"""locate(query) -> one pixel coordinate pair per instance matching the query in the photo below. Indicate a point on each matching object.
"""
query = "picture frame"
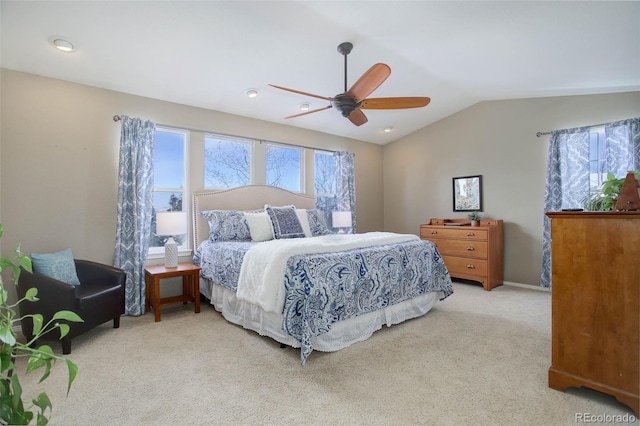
(467, 193)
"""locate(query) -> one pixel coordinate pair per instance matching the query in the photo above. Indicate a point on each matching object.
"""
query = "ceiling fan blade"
(357, 117)
(395, 103)
(302, 93)
(308, 112)
(369, 81)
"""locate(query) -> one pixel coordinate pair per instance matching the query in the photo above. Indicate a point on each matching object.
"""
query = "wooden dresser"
(470, 252)
(595, 324)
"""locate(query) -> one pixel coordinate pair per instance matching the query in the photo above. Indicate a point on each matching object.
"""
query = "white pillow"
(304, 221)
(259, 226)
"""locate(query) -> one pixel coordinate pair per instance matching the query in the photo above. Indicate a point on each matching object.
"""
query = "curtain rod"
(117, 118)
(538, 134)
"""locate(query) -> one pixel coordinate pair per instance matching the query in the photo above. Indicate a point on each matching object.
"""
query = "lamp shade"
(341, 219)
(171, 223)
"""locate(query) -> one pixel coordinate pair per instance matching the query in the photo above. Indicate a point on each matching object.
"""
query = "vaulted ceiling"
(208, 53)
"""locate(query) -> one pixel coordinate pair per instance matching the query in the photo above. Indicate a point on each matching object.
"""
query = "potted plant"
(12, 407)
(604, 198)
(474, 217)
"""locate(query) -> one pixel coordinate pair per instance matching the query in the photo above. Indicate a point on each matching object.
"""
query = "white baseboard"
(527, 286)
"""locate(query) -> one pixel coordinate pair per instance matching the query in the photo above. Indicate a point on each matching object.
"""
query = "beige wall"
(59, 169)
(59, 161)
(497, 140)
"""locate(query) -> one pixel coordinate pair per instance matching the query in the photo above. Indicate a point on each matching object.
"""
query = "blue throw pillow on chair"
(59, 266)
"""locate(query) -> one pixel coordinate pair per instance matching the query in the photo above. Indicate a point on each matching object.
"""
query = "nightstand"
(190, 286)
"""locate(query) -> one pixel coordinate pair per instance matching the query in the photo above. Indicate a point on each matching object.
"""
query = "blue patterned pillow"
(59, 266)
(227, 225)
(285, 222)
(317, 224)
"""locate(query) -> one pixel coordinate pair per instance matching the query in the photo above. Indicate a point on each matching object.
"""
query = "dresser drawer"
(458, 266)
(466, 233)
(470, 248)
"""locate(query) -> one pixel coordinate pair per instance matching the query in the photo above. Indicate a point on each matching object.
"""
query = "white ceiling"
(207, 53)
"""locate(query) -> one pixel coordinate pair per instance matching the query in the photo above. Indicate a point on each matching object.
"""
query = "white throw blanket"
(261, 279)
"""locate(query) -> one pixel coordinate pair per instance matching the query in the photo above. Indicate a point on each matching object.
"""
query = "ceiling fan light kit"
(351, 102)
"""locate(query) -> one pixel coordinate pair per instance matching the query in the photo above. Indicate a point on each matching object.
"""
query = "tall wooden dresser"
(469, 252)
(595, 326)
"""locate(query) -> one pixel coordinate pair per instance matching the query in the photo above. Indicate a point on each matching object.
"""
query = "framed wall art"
(467, 193)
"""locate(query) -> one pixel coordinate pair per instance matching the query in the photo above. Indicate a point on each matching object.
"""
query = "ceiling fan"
(352, 101)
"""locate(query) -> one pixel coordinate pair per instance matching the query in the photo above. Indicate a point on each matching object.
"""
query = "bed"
(305, 286)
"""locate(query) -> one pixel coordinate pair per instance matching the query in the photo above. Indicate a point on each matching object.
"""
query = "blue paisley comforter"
(220, 262)
(324, 288)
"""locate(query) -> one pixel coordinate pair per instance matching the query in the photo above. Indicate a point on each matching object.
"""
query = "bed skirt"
(342, 333)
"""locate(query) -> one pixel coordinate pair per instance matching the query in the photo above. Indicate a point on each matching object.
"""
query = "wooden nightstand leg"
(147, 291)
(185, 287)
(156, 297)
(195, 285)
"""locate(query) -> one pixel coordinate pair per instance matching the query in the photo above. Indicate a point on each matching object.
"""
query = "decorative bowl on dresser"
(469, 252)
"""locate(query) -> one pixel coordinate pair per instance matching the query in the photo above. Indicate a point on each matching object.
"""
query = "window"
(284, 167)
(325, 173)
(168, 180)
(325, 183)
(597, 158)
(227, 162)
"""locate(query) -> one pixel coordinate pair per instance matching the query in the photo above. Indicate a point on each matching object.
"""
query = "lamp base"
(170, 254)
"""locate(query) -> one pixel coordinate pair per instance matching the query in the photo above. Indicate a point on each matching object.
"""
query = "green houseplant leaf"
(604, 198)
(12, 406)
(67, 315)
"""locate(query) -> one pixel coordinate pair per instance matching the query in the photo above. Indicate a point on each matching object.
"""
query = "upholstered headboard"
(241, 198)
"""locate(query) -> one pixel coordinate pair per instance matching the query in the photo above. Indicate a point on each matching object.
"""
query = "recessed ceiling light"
(252, 93)
(388, 129)
(304, 106)
(61, 44)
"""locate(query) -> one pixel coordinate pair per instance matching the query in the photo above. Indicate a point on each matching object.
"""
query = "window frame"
(597, 178)
(236, 139)
(315, 170)
(301, 150)
(185, 248)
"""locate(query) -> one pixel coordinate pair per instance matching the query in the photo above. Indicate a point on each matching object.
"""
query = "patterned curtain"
(346, 184)
(135, 185)
(566, 185)
(623, 146)
(568, 171)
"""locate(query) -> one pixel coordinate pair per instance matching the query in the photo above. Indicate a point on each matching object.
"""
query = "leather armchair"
(99, 298)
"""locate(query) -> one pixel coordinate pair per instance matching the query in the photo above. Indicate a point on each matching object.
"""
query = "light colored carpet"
(478, 358)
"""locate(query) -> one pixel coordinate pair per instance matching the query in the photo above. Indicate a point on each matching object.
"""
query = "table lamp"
(171, 224)
(341, 220)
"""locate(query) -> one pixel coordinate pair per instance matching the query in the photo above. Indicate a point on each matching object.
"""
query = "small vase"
(474, 223)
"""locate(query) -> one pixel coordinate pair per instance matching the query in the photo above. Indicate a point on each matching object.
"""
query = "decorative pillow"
(304, 221)
(285, 222)
(59, 266)
(317, 224)
(259, 226)
(227, 225)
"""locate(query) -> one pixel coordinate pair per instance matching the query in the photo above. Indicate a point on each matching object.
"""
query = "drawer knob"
(471, 267)
(434, 232)
(470, 249)
(470, 234)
